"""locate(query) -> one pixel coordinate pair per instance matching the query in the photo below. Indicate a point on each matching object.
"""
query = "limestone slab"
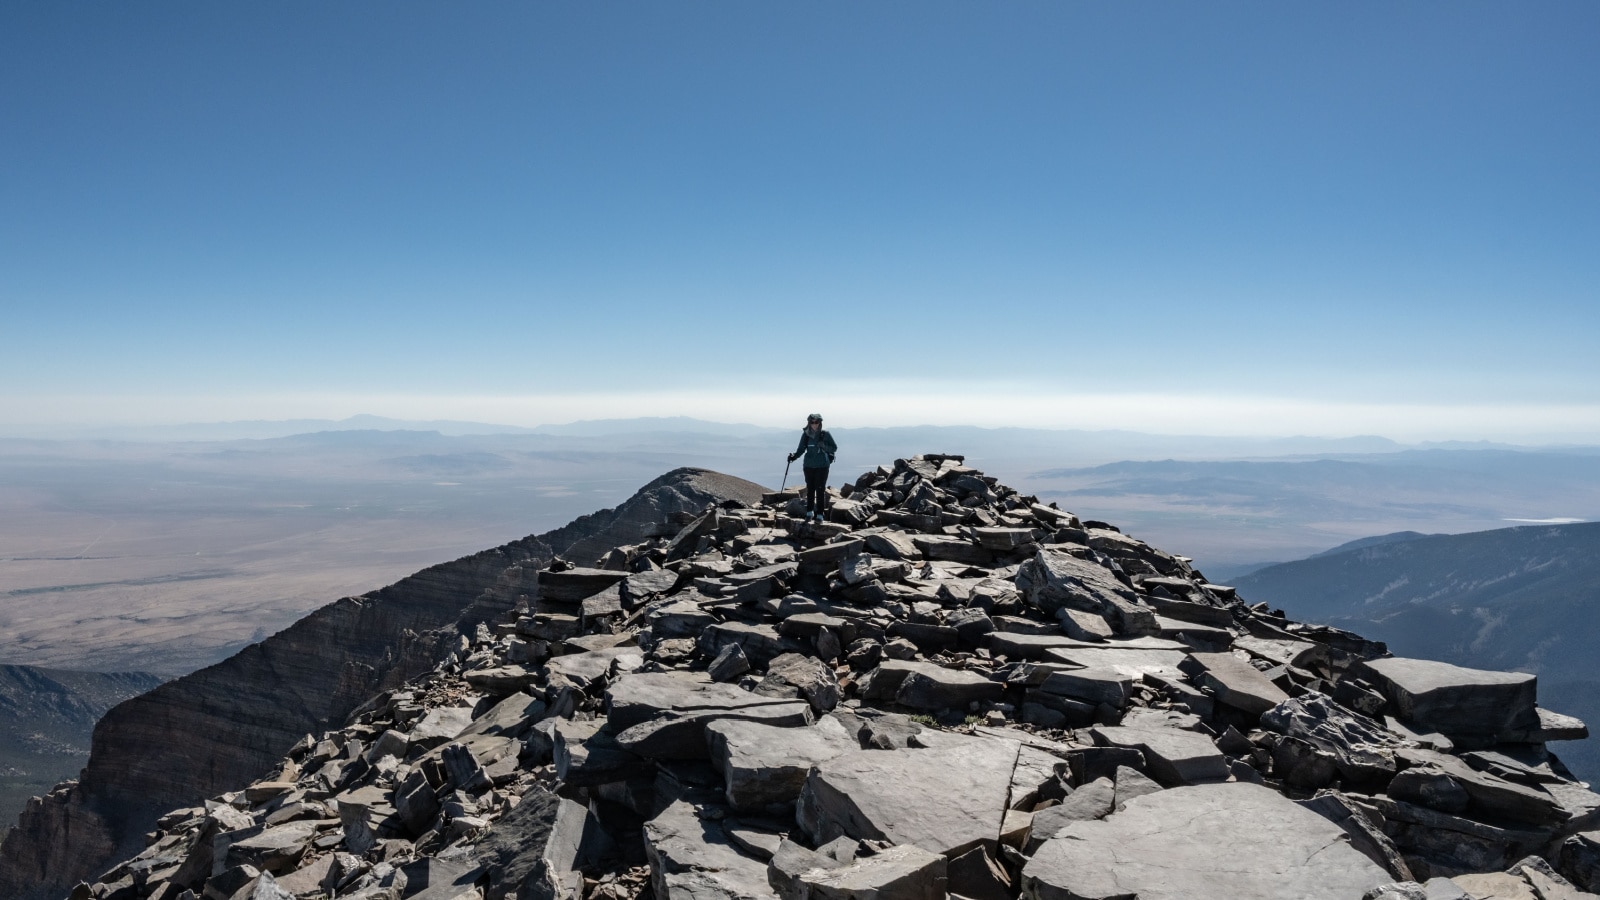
(947, 799)
(1209, 842)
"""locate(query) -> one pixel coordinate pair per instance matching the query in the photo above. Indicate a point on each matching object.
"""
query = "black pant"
(817, 489)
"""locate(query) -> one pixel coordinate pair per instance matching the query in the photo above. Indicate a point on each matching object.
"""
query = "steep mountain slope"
(46, 719)
(1522, 598)
(946, 690)
(217, 729)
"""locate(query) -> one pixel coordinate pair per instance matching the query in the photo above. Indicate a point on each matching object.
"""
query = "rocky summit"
(946, 690)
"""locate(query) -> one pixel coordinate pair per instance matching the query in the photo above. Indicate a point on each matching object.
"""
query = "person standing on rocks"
(818, 448)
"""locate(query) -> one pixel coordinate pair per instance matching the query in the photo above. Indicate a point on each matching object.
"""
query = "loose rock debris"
(946, 690)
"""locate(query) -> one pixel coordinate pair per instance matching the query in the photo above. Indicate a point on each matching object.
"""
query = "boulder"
(928, 686)
(764, 765)
(1453, 700)
(1362, 749)
(1053, 580)
(946, 799)
(573, 585)
(803, 676)
(1236, 683)
(1112, 687)
(1172, 756)
(1208, 842)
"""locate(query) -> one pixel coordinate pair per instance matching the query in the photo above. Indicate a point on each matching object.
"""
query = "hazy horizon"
(244, 428)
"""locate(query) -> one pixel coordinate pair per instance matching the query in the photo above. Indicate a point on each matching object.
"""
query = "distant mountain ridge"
(1398, 537)
(1521, 598)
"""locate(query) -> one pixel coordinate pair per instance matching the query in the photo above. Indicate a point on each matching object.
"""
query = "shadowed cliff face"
(217, 729)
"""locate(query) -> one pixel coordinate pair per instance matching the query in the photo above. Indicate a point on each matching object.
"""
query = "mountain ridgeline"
(946, 689)
(1521, 598)
(218, 728)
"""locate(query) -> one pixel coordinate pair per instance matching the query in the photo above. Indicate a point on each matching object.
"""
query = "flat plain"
(165, 557)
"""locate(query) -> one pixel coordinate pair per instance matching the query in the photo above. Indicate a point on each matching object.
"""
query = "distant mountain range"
(46, 719)
(1525, 598)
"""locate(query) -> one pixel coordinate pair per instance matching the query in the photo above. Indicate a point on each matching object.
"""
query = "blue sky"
(1229, 218)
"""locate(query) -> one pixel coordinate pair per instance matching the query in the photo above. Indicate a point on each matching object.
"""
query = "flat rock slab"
(1210, 842)
(762, 764)
(441, 725)
(1174, 756)
(947, 799)
(693, 859)
(586, 668)
(1235, 682)
(1028, 646)
(1455, 700)
(1130, 660)
(664, 715)
(924, 685)
(904, 872)
(637, 698)
(1105, 685)
(573, 585)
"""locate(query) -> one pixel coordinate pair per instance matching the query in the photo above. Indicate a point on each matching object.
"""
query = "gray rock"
(764, 765)
(924, 685)
(585, 761)
(887, 731)
(682, 734)
(1362, 749)
(928, 638)
(789, 862)
(1112, 687)
(946, 799)
(951, 549)
(536, 851)
(729, 664)
(275, 850)
(1453, 700)
(639, 697)
(692, 859)
(1131, 785)
(937, 688)
(1028, 646)
(1444, 889)
(1209, 842)
(573, 585)
(809, 677)
(1053, 580)
(1397, 890)
(904, 872)
(441, 725)
(1235, 682)
(1004, 540)
(1094, 800)
(1085, 626)
(1580, 859)
(1427, 786)
(683, 618)
(1490, 795)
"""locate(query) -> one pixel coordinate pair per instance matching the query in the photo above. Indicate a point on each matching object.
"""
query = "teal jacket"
(818, 449)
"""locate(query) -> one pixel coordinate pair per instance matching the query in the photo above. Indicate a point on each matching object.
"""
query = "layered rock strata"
(949, 690)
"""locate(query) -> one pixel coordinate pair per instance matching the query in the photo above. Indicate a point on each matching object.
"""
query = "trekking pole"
(785, 486)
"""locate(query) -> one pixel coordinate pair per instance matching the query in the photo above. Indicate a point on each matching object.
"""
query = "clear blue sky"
(1332, 218)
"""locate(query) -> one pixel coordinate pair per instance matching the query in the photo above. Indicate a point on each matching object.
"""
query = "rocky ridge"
(218, 729)
(948, 690)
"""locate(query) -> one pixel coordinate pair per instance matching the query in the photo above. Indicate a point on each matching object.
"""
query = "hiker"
(818, 448)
